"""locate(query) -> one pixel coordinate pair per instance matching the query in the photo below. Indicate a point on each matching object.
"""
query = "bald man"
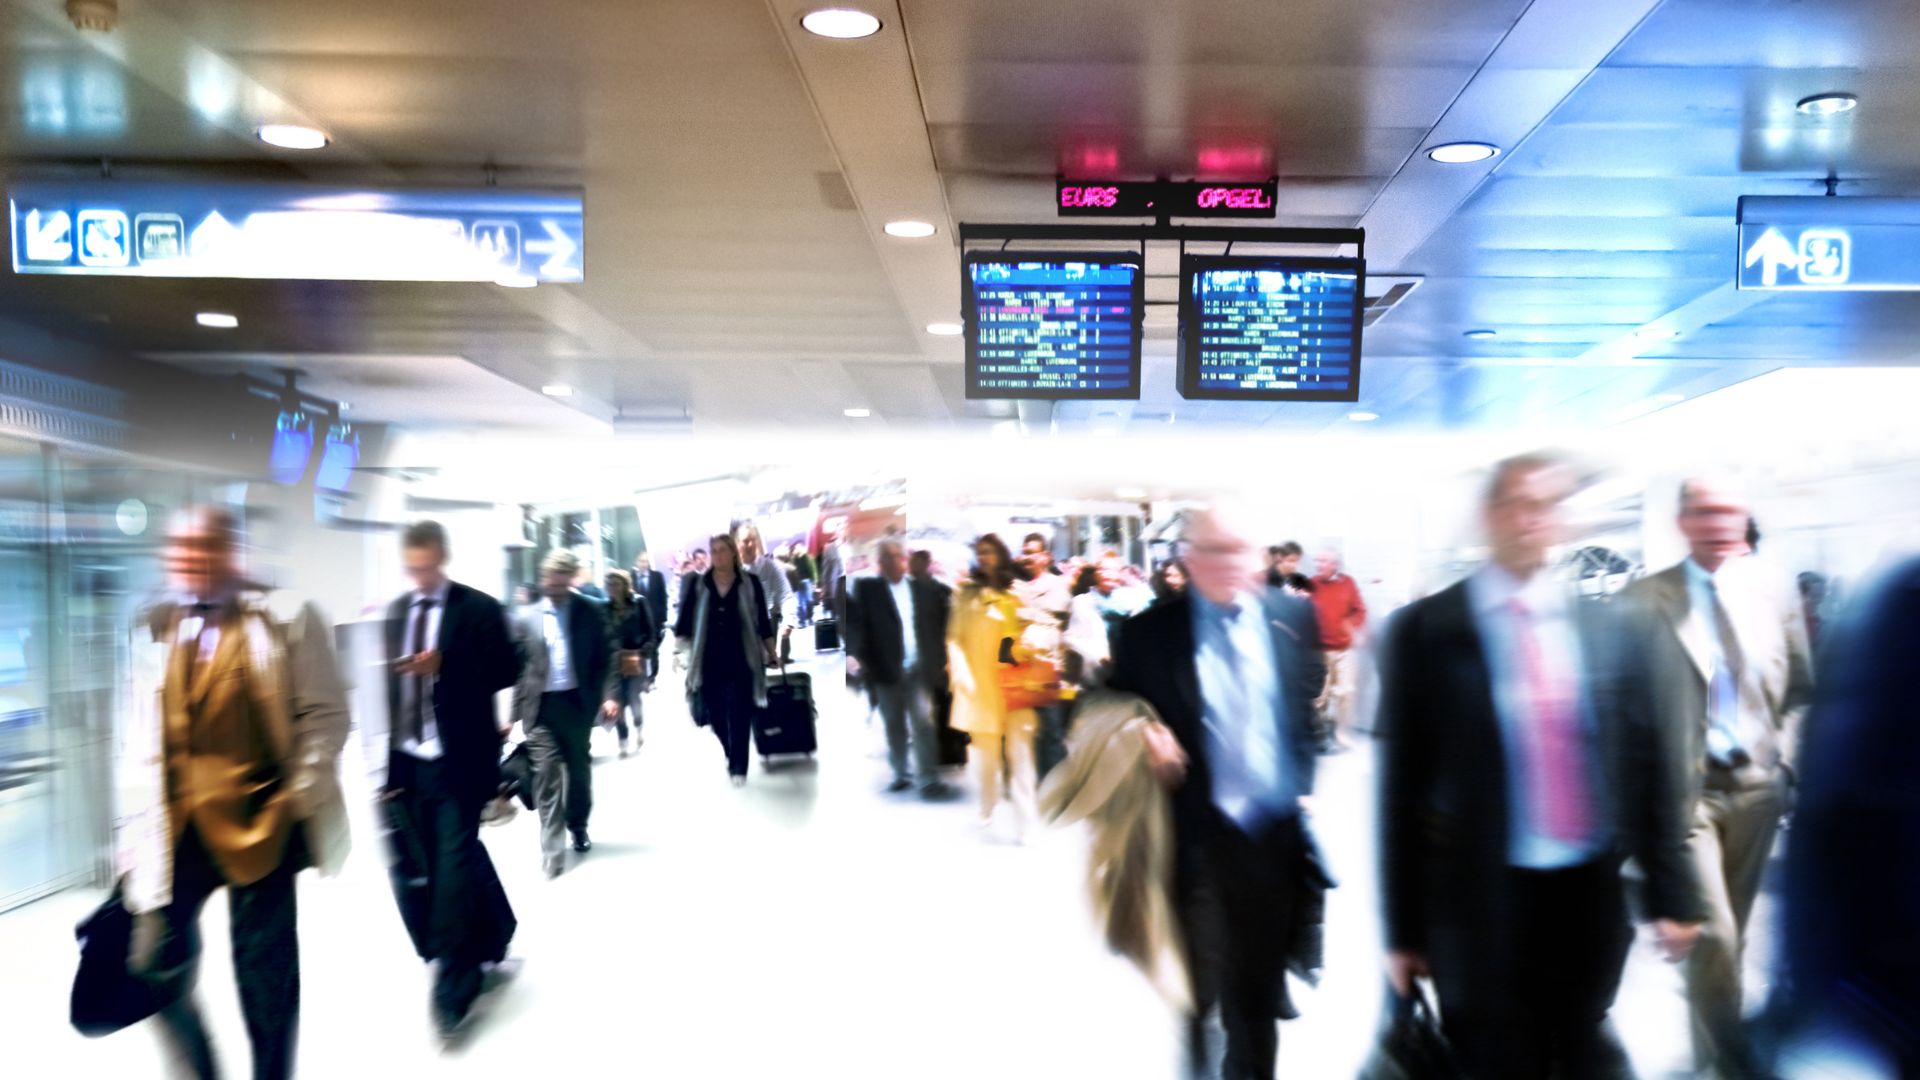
(1740, 680)
(229, 779)
(1232, 667)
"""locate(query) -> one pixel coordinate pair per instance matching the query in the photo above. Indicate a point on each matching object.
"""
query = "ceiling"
(738, 172)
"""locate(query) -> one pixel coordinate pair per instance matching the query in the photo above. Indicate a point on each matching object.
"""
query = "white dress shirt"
(560, 676)
(420, 687)
(902, 591)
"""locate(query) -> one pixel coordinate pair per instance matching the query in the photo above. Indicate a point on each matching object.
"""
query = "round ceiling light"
(1827, 104)
(856, 413)
(1363, 417)
(292, 136)
(945, 329)
(217, 320)
(557, 390)
(1462, 153)
(910, 230)
(1481, 335)
(842, 23)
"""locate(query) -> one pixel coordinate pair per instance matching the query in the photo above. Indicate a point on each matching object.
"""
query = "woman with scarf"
(724, 642)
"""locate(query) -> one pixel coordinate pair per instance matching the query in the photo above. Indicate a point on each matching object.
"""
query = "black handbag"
(1411, 1045)
(107, 994)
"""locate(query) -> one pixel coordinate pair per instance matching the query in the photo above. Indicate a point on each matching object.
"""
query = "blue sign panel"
(1278, 328)
(1829, 244)
(295, 231)
(1053, 326)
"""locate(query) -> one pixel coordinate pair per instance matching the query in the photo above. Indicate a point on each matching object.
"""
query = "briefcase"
(1411, 1045)
(108, 996)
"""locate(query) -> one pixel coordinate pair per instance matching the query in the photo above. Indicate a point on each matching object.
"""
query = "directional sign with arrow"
(1828, 244)
(295, 231)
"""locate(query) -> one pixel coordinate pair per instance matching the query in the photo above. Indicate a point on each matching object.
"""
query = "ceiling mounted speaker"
(99, 15)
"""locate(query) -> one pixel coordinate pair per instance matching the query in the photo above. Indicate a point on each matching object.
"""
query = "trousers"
(906, 707)
(1005, 769)
(1734, 826)
(562, 771)
(266, 960)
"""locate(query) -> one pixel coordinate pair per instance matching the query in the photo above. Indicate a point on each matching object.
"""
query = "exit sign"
(1165, 198)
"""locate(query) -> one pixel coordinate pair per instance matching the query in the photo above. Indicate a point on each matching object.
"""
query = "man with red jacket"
(1336, 599)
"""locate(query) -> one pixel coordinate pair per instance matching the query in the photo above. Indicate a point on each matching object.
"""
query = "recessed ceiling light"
(516, 281)
(1482, 335)
(345, 406)
(1827, 104)
(843, 23)
(945, 329)
(911, 230)
(292, 136)
(558, 389)
(856, 414)
(1462, 153)
(218, 320)
(1130, 492)
(1363, 417)
(1656, 332)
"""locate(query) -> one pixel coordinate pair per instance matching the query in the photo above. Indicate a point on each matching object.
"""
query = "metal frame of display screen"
(1191, 324)
(1132, 260)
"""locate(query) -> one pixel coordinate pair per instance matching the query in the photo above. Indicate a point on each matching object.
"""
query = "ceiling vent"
(100, 16)
(1384, 293)
(652, 421)
(834, 191)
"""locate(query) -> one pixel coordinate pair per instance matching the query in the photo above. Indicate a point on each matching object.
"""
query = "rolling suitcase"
(826, 635)
(786, 726)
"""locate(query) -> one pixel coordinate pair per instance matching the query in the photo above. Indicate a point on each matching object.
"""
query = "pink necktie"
(1556, 774)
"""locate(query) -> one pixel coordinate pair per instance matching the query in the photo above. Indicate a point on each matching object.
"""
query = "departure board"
(1277, 328)
(1053, 325)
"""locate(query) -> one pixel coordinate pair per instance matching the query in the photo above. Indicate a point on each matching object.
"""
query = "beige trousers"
(1005, 770)
(1733, 834)
(1337, 696)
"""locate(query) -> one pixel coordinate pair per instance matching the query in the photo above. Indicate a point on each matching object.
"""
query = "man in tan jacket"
(1740, 678)
(230, 778)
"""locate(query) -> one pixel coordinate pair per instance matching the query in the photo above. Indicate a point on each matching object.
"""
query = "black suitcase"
(826, 635)
(786, 725)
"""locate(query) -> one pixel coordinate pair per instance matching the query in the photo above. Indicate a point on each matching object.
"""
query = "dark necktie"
(417, 639)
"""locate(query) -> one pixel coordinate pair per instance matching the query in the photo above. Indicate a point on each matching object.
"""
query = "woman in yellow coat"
(985, 615)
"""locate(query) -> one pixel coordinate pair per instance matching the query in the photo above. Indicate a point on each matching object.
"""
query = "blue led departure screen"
(1053, 327)
(1272, 329)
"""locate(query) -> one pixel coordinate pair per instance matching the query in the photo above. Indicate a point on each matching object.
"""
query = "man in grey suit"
(566, 675)
(1741, 677)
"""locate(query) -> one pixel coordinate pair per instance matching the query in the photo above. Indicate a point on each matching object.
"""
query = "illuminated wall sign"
(1164, 198)
(295, 231)
(1828, 244)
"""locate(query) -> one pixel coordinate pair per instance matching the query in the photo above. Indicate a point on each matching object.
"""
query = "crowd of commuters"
(1530, 744)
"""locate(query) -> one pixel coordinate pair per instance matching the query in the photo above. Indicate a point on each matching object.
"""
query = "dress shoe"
(580, 842)
(899, 785)
(939, 791)
(739, 781)
(554, 869)
(494, 976)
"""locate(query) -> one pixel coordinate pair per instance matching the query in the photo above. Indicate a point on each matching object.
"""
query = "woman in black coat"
(630, 627)
(724, 642)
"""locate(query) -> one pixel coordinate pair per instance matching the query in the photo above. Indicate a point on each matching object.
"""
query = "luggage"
(826, 635)
(407, 872)
(786, 725)
(106, 996)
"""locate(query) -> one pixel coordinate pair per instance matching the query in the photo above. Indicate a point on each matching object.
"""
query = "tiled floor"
(805, 926)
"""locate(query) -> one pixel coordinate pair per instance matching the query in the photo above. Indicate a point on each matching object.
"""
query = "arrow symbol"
(1773, 251)
(559, 247)
(49, 241)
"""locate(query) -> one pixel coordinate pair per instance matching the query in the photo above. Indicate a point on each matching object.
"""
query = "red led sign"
(1165, 198)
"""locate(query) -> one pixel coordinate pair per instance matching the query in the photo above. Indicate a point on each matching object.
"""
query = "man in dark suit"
(567, 673)
(651, 585)
(1233, 669)
(1526, 754)
(897, 638)
(452, 655)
